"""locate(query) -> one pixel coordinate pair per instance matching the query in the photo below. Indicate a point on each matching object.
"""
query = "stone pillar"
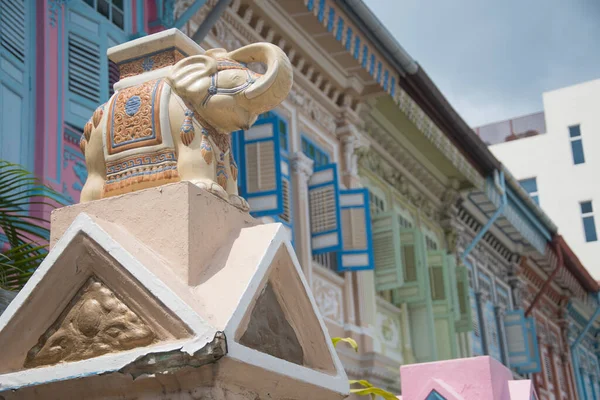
(302, 169)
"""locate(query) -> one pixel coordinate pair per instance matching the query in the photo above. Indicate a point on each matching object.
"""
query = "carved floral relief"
(96, 322)
(329, 299)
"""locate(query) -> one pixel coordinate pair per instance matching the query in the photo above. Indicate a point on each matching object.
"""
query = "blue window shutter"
(17, 54)
(387, 251)
(260, 155)
(324, 210)
(87, 38)
(493, 336)
(521, 340)
(535, 363)
(357, 244)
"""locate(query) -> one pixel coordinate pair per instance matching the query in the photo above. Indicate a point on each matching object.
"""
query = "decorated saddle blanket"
(138, 146)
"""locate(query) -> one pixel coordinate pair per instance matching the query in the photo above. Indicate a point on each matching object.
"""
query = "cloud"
(493, 59)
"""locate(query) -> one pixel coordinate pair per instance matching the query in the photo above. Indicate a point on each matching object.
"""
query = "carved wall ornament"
(312, 109)
(96, 322)
(437, 137)
(404, 157)
(329, 299)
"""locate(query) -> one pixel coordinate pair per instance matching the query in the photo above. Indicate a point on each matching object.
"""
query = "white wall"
(561, 184)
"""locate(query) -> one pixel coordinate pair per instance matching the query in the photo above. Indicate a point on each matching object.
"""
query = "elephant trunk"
(273, 87)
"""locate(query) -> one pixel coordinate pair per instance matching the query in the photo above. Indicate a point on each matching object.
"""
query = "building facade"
(415, 240)
(553, 155)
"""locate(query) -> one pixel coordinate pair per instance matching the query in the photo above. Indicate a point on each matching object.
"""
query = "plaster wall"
(562, 185)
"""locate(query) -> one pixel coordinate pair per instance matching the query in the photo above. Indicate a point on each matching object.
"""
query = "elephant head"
(224, 92)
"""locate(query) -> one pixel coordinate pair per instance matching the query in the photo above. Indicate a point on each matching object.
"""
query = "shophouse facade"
(381, 185)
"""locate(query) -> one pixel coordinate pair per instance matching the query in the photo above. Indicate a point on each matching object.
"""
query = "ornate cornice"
(374, 162)
(405, 158)
(312, 108)
(434, 134)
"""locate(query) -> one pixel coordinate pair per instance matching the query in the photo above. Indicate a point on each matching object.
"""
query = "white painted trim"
(338, 383)
(203, 332)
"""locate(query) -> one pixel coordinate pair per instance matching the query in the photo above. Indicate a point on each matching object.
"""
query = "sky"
(494, 59)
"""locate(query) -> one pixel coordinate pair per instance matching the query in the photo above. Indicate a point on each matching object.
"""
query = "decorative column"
(500, 311)
(363, 311)
(516, 284)
(302, 169)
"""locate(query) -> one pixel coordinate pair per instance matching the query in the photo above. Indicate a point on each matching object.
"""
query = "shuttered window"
(436, 261)
(324, 210)
(13, 28)
(84, 74)
(17, 55)
(89, 79)
(357, 247)
(438, 291)
(387, 252)
(409, 262)
(261, 180)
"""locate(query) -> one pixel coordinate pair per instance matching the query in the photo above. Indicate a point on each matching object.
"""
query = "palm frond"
(24, 206)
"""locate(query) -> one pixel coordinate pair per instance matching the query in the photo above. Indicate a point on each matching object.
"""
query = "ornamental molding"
(55, 7)
(311, 108)
(374, 162)
(435, 135)
(233, 32)
(405, 158)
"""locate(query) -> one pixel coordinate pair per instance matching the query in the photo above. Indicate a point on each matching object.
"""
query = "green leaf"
(369, 390)
(350, 341)
(373, 392)
(22, 199)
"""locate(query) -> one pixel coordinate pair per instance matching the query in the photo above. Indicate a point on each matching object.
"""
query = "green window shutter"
(409, 239)
(464, 306)
(436, 265)
(453, 284)
(387, 254)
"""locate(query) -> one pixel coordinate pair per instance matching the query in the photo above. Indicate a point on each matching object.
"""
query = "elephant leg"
(239, 202)
(211, 186)
(93, 188)
(96, 166)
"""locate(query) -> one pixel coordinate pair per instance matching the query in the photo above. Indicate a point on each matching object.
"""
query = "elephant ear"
(188, 77)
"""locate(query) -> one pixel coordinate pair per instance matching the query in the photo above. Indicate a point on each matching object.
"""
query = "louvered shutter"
(453, 284)
(357, 244)
(386, 251)
(436, 261)
(324, 210)
(535, 364)
(286, 193)
(521, 338)
(88, 37)
(462, 292)
(16, 59)
(262, 185)
(410, 251)
(492, 334)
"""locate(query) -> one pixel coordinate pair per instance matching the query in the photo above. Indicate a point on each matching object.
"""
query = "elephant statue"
(173, 124)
